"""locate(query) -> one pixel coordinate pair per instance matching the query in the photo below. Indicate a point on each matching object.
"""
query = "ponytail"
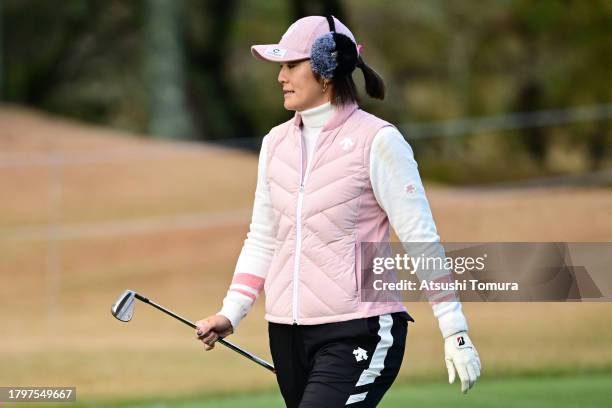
(344, 90)
(375, 86)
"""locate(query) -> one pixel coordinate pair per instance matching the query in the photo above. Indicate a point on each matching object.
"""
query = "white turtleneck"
(397, 187)
(313, 121)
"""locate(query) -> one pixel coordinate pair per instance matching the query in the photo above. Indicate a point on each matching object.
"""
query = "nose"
(282, 78)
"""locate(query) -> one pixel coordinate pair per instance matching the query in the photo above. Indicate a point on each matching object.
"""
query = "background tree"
(165, 69)
(442, 61)
(76, 58)
(303, 8)
(217, 108)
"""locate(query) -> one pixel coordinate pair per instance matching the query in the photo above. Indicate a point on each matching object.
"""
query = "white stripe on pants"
(377, 363)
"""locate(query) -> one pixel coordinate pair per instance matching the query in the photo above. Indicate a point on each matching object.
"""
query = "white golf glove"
(461, 355)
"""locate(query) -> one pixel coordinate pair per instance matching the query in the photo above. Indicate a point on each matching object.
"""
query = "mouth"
(287, 93)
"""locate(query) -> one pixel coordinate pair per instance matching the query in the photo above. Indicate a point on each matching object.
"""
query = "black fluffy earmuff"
(333, 54)
(345, 48)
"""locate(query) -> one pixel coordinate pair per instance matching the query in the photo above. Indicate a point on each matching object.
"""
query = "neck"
(318, 116)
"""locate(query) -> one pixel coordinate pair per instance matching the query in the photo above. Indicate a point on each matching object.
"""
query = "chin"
(290, 106)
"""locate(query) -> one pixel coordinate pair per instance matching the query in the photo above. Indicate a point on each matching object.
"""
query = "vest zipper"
(298, 230)
(298, 236)
(298, 216)
(298, 250)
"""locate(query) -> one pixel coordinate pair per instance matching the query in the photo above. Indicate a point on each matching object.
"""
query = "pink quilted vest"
(321, 217)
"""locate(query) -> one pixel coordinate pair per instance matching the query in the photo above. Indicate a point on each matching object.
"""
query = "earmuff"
(333, 54)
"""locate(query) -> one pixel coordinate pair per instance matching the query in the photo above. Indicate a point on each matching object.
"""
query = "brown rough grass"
(57, 329)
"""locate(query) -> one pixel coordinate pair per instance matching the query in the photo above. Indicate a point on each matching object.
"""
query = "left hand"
(461, 355)
(210, 329)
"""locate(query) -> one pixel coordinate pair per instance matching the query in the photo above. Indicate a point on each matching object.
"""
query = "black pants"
(351, 363)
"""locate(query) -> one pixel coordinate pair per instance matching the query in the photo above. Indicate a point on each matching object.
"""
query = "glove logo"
(460, 341)
(360, 354)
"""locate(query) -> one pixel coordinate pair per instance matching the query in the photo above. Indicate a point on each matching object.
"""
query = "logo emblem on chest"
(346, 143)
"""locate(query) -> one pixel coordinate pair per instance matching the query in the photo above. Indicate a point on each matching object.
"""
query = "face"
(300, 87)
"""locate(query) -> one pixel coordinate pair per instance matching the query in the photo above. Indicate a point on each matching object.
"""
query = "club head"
(123, 309)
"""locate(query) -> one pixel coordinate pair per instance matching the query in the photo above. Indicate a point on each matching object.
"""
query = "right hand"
(210, 329)
(461, 355)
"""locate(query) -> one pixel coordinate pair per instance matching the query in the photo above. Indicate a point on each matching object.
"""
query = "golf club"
(123, 310)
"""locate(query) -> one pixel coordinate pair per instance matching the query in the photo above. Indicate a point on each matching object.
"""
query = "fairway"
(583, 391)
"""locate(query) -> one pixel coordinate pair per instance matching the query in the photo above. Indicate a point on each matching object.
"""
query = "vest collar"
(338, 118)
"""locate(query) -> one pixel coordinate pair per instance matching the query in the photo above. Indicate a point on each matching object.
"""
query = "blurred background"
(129, 133)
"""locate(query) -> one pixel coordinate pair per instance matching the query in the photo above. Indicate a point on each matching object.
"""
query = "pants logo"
(460, 341)
(360, 354)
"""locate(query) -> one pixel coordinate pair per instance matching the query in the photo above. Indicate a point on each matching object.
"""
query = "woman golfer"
(330, 178)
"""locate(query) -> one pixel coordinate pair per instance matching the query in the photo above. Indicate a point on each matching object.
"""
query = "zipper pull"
(301, 188)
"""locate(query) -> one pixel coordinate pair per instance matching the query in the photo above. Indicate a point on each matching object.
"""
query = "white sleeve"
(256, 254)
(399, 191)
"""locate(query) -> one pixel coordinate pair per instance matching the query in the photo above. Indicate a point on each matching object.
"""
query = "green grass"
(584, 391)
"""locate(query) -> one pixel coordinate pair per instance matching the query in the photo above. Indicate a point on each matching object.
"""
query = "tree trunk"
(164, 70)
(303, 8)
(221, 112)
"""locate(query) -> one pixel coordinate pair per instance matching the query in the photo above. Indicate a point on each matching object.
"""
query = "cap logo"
(275, 52)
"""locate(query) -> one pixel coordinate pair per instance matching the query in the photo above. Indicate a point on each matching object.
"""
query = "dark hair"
(344, 90)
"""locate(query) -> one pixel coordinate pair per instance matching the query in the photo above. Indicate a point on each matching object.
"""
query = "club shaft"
(226, 343)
